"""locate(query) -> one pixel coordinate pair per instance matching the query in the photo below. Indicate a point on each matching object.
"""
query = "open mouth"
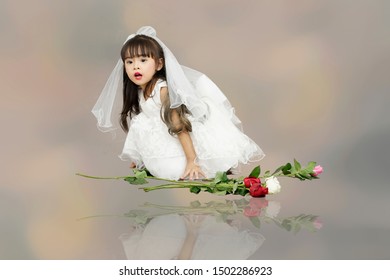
(137, 75)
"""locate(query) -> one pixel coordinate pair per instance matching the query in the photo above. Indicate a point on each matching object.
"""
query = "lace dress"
(219, 144)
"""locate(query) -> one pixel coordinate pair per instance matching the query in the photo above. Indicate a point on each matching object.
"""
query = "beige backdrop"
(308, 79)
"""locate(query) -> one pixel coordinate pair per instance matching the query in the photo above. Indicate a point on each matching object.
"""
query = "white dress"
(219, 144)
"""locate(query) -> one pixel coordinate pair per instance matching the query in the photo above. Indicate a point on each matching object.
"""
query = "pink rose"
(317, 171)
(249, 181)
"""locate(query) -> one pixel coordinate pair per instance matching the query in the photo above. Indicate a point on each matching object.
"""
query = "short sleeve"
(157, 90)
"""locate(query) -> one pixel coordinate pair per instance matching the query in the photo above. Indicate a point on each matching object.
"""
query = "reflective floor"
(304, 221)
(308, 80)
(80, 218)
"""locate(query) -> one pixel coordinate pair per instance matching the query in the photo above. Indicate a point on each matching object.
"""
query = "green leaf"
(209, 189)
(235, 186)
(140, 174)
(224, 178)
(277, 170)
(242, 191)
(293, 170)
(220, 177)
(297, 165)
(240, 179)
(255, 172)
(305, 174)
(310, 166)
(135, 170)
(138, 179)
(220, 192)
(135, 181)
(195, 189)
(287, 169)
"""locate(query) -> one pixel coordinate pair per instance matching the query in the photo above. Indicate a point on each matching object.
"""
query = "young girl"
(179, 124)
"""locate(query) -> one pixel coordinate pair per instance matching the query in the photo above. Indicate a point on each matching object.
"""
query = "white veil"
(185, 86)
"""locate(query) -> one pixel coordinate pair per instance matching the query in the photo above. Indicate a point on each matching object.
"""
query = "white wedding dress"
(219, 142)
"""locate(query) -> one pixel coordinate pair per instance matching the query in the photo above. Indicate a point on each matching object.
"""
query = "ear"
(160, 64)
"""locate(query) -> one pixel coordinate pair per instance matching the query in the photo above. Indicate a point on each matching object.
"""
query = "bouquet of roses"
(256, 184)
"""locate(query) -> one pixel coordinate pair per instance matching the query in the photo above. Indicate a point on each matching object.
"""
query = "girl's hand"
(133, 165)
(192, 171)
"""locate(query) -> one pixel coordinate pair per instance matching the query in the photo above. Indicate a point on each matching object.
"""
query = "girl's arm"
(192, 169)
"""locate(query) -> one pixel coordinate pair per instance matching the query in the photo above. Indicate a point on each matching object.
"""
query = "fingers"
(193, 173)
(185, 175)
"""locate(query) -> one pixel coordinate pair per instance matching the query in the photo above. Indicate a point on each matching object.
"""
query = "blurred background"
(308, 79)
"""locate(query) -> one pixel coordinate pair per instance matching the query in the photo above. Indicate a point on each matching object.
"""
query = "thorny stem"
(96, 177)
(181, 182)
(168, 186)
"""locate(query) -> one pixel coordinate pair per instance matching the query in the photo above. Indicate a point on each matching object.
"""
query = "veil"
(185, 86)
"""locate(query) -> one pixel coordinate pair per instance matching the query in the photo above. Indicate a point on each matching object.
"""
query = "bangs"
(141, 46)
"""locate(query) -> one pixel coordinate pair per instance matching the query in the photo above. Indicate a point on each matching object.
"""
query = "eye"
(143, 59)
(129, 61)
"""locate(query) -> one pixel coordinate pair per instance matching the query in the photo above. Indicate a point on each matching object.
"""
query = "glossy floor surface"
(308, 80)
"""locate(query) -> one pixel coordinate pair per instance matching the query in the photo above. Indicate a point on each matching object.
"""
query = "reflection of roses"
(258, 202)
(249, 181)
(273, 209)
(255, 206)
(317, 223)
(251, 212)
(272, 184)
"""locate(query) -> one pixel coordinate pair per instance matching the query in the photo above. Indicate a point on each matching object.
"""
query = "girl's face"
(141, 69)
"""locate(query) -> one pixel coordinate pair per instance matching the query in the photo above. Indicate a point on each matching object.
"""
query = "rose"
(257, 190)
(272, 184)
(249, 181)
(317, 170)
(224, 185)
(255, 187)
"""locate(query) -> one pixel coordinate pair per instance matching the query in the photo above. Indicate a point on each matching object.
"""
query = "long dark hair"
(141, 45)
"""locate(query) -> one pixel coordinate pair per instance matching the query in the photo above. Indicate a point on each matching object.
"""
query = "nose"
(135, 65)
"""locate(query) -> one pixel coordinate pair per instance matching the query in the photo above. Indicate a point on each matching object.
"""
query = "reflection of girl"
(181, 124)
(194, 237)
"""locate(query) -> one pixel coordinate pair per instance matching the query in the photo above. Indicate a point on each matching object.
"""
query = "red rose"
(257, 190)
(249, 181)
